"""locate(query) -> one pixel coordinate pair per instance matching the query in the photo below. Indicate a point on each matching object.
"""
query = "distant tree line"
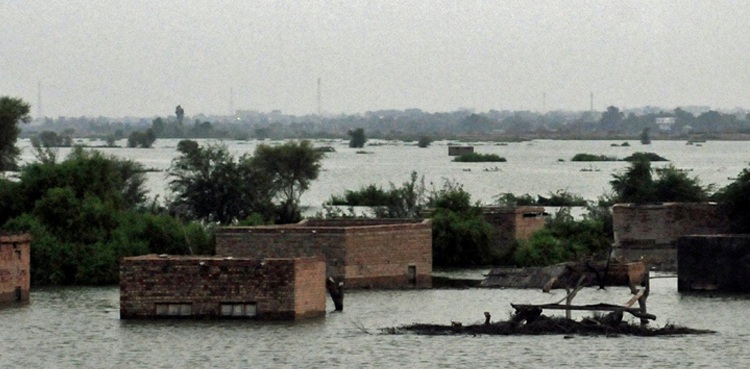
(415, 124)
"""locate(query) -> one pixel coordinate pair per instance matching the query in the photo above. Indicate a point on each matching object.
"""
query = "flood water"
(80, 328)
(536, 167)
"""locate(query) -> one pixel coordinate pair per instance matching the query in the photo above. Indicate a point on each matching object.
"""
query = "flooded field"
(80, 328)
(537, 167)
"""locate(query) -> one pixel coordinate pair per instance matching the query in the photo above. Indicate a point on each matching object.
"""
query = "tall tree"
(645, 136)
(12, 111)
(674, 185)
(637, 185)
(735, 201)
(180, 113)
(611, 119)
(358, 138)
(634, 185)
(292, 166)
(210, 184)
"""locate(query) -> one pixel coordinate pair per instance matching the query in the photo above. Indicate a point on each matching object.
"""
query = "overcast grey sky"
(142, 58)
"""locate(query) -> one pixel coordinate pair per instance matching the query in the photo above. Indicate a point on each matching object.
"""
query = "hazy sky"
(142, 58)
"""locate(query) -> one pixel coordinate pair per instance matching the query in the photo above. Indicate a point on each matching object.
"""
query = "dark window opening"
(412, 272)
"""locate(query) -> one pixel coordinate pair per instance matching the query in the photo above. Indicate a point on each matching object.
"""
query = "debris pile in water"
(593, 326)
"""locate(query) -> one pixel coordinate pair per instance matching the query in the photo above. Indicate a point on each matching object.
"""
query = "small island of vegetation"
(592, 157)
(634, 157)
(479, 158)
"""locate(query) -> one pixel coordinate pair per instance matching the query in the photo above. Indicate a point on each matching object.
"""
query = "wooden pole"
(571, 295)
(642, 299)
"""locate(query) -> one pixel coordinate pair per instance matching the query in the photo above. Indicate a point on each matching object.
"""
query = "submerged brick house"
(651, 231)
(14, 267)
(455, 150)
(377, 253)
(161, 286)
(510, 224)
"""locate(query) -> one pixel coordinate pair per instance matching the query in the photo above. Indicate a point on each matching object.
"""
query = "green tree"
(460, 235)
(110, 140)
(406, 201)
(358, 138)
(291, 167)
(735, 201)
(634, 185)
(637, 185)
(564, 239)
(142, 139)
(611, 119)
(424, 141)
(84, 214)
(180, 113)
(158, 125)
(117, 182)
(210, 184)
(51, 139)
(12, 112)
(645, 137)
(674, 185)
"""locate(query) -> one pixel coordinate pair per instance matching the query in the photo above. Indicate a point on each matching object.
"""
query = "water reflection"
(80, 327)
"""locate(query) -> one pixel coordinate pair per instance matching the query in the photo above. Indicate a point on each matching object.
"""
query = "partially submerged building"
(14, 267)
(162, 286)
(455, 150)
(364, 253)
(511, 224)
(714, 263)
(650, 232)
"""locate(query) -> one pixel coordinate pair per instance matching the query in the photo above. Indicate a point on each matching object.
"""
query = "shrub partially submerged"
(479, 158)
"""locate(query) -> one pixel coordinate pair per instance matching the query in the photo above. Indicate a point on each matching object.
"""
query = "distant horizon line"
(689, 108)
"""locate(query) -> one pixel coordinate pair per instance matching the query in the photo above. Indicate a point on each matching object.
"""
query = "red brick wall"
(512, 224)
(652, 231)
(207, 282)
(284, 242)
(354, 222)
(310, 287)
(14, 267)
(380, 256)
(365, 253)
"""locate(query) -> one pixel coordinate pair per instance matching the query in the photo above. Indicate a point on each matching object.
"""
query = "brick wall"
(362, 252)
(14, 267)
(381, 256)
(284, 242)
(651, 231)
(512, 224)
(714, 263)
(310, 285)
(276, 288)
(460, 150)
